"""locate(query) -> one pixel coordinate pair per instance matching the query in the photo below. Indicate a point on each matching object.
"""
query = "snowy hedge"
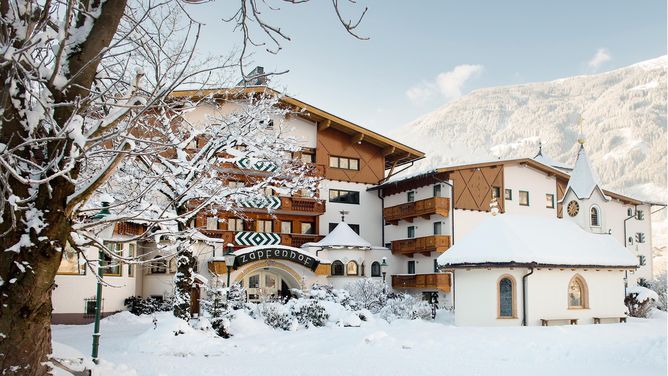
(640, 300)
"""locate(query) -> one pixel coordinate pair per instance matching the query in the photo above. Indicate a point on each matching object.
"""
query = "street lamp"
(229, 261)
(383, 269)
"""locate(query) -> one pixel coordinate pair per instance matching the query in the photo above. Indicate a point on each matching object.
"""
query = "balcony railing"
(303, 205)
(293, 240)
(424, 245)
(439, 281)
(421, 208)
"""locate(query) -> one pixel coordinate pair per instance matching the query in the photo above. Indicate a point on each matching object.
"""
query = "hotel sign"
(296, 256)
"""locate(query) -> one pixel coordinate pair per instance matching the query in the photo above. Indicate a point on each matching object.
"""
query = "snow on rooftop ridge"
(583, 178)
(343, 237)
(509, 238)
(546, 160)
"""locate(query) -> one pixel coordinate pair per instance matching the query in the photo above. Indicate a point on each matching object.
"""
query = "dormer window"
(595, 216)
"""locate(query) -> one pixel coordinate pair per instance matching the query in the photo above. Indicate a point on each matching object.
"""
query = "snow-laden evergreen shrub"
(146, 306)
(405, 306)
(659, 285)
(236, 296)
(330, 294)
(368, 293)
(218, 310)
(640, 301)
(277, 316)
(309, 313)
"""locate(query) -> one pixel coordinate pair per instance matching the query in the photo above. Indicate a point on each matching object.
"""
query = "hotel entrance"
(268, 284)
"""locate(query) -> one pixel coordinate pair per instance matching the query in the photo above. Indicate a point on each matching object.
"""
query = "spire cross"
(343, 215)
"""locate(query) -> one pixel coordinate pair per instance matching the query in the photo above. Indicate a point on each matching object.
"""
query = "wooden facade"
(334, 143)
(474, 187)
(424, 245)
(440, 281)
(421, 208)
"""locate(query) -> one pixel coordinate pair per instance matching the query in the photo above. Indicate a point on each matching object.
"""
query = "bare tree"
(85, 93)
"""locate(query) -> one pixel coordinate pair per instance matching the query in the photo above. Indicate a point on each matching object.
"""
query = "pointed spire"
(583, 180)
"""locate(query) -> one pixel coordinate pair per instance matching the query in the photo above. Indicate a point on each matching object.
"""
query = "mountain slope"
(624, 123)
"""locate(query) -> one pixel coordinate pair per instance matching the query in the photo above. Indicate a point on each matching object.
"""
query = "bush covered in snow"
(658, 285)
(405, 306)
(640, 300)
(276, 315)
(218, 309)
(310, 313)
(369, 293)
(146, 306)
(328, 293)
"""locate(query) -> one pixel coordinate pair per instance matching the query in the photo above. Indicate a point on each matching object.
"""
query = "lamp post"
(229, 261)
(98, 292)
(383, 269)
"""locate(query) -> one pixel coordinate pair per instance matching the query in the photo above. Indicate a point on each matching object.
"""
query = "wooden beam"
(324, 124)
(388, 150)
(357, 139)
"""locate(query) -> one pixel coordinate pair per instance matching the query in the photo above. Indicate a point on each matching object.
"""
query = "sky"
(420, 55)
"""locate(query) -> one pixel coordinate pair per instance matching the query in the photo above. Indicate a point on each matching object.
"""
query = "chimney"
(256, 77)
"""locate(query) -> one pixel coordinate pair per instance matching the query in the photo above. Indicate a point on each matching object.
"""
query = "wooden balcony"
(440, 281)
(303, 205)
(294, 240)
(421, 208)
(424, 245)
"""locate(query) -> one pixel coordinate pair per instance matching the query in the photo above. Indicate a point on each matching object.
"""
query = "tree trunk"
(183, 280)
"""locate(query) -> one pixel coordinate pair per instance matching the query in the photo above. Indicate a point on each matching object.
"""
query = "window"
(640, 237)
(435, 266)
(411, 232)
(351, 268)
(496, 192)
(640, 215)
(235, 224)
(642, 260)
(89, 307)
(159, 266)
(629, 212)
(577, 293)
(212, 223)
(630, 240)
(308, 158)
(411, 267)
(308, 228)
(235, 184)
(263, 225)
(437, 228)
(344, 197)
(549, 200)
(337, 268)
(524, 198)
(344, 163)
(132, 252)
(410, 196)
(506, 297)
(112, 267)
(254, 281)
(595, 218)
(353, 226)
(508, 194)
(286, 227)
(375, 269)
(437, 190)
(69, 264)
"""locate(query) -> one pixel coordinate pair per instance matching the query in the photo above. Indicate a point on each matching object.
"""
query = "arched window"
(595, 215)
(159, 266)
(337, 268)
(375, 269)
(351, 268)
(506, 307)
(578, 296)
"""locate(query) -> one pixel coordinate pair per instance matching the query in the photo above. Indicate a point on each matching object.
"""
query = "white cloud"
(447, 84)
(601, 56)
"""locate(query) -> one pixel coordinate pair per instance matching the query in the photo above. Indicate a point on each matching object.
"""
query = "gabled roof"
(546, 160)
(509, 239)
(396, 153)
(584, 180)
(342, 237)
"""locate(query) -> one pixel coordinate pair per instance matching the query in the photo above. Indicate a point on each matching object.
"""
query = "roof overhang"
(512, 264)
(395, 153)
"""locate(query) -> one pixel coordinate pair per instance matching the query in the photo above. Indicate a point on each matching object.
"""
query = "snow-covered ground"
(131, 346)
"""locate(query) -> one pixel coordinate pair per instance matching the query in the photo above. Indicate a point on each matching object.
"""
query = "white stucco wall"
(537, 183)
(367, 214)
(476, 295)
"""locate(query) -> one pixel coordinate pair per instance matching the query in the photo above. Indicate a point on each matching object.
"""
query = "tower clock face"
(573, 208)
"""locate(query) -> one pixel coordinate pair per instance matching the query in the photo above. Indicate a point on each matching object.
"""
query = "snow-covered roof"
(508, 238)
(583, 180)
(342, 237)
(201, 237)
(547, 161)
